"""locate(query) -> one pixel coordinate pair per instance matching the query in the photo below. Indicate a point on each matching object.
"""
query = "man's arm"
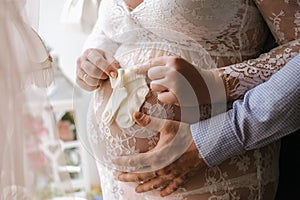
(267, 113)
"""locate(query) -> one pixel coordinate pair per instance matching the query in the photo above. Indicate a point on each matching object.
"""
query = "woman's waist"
(136, 53)
(207, 58)
(220, 49)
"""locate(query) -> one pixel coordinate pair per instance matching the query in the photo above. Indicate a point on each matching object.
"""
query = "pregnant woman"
(208, 34)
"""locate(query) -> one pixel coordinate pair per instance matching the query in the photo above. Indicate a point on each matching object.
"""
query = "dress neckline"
(134, 9)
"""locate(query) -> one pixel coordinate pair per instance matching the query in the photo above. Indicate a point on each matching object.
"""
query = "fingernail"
(138, 115)
(116, 64)
(138, 189)
(113, 74)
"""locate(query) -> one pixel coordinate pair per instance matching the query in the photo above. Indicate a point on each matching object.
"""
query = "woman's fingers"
(97, 58)
(85, 86)
(92, 70)
(88, 79)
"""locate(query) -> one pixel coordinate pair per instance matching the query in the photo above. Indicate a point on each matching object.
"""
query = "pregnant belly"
(111, 140)
(135, 139)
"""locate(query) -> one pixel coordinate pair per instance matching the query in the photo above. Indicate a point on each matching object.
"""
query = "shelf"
(77, 184)
(72, 196)
(72, 185)
(62, 105)
(79, 194)
(70, 169)
(65, 97)
(71, 144)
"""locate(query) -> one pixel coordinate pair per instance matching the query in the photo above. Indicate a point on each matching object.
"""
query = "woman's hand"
(93, 67)
(179, 82)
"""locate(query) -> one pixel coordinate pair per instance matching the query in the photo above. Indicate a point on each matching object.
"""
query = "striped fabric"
(267, 113)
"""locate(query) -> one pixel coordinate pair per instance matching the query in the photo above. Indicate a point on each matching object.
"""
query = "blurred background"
(62, 31)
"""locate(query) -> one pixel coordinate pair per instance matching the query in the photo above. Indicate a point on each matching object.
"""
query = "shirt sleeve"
(267, 113)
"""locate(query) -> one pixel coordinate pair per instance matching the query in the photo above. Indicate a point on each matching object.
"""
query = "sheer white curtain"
(29, 148)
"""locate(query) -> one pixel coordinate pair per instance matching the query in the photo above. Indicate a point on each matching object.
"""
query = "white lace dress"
(208, 34)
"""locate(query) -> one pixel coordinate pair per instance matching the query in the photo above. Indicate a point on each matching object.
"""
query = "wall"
(65, 43)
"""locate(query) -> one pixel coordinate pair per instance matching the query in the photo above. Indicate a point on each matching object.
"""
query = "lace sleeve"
(99, 40)
(283, 19)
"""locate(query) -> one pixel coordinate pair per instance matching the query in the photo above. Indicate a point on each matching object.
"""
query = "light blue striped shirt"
(267, 113)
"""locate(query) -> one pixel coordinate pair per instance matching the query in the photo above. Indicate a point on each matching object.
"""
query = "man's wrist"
(215, 139)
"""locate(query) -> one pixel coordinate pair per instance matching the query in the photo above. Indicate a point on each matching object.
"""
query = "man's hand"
(174, 139)
(168, 178)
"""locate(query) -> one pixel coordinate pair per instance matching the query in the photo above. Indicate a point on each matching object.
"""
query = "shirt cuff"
(215, 139)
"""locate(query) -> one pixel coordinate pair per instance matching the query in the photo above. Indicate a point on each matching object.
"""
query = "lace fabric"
(282, 18)
(235, 178)
(208, 34)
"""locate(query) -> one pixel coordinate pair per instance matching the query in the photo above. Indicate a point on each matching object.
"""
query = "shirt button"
(106, 117)
(124, 121)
